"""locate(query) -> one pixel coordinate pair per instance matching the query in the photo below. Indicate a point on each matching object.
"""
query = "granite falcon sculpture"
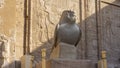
(67, 31)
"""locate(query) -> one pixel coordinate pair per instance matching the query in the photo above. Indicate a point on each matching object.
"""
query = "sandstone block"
(64, 51)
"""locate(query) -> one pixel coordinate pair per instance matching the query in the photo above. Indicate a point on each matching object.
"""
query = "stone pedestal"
(64, 51)
(64, 56)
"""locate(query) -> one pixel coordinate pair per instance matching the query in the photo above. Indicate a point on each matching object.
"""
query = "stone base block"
(63, 63)
(64, 51)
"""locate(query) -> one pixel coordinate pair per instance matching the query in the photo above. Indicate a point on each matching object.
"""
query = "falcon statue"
(67, 31)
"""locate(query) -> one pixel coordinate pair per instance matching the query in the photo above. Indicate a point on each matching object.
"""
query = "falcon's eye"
(67, 14)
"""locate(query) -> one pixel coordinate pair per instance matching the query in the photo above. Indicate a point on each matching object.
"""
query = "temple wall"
(11, 31)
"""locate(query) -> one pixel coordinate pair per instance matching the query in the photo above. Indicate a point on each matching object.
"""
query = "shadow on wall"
(1, 53)
(37, 52)
(88, 47)
(109, 30)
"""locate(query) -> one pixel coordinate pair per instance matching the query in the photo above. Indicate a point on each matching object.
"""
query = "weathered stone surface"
(2, 3)
(91, 32)
(88, 48)
(4, 51)
(61, 63)
(11, 27)
(111, 32)
(26, 61)
(64, 51)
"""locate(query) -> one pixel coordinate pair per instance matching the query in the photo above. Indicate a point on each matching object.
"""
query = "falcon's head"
(68, 16)
(71, 16)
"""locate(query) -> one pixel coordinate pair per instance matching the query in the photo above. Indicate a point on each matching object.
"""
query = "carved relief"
(4, 51)
(111, 32)
(1, 3)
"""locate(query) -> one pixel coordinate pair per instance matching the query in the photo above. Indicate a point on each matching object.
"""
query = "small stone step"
(62, 63)
(65, 63)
